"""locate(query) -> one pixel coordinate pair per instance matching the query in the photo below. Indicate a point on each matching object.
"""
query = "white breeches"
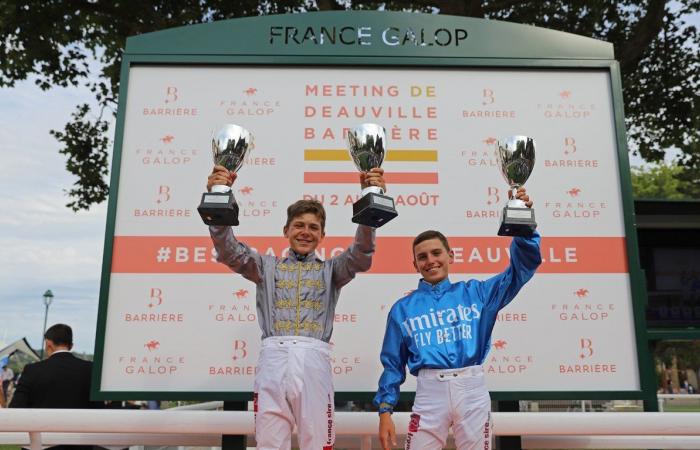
(455, 398)
(294, 385)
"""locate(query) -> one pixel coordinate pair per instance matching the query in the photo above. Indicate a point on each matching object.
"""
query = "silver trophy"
(516, 157)
(230, 146)
(367, 146)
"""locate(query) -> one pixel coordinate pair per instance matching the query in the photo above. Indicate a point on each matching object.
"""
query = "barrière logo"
(163, 196)
(493, 210)
(572, 159)
(156, 297)
(171, 96)
(239, 349)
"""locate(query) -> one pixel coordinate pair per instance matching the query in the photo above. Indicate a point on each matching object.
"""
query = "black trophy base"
(517, 222)
(218, 208)
(373, 210)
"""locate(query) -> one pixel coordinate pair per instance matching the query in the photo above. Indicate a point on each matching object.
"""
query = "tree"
(54, 40)
(660, 181)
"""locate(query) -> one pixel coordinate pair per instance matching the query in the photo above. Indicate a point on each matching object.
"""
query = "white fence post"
(366, 442)
(34, 440)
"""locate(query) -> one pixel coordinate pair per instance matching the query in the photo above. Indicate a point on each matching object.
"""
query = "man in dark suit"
(60, 381)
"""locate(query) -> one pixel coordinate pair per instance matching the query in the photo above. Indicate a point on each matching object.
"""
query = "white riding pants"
(294, 386)
(455, 398)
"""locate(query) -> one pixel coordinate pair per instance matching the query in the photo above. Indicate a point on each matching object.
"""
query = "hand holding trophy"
(516, 157)
(229, 145)
(367, 146)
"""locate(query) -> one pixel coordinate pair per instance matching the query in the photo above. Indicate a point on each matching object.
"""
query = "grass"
(10, 447)
(676, 408)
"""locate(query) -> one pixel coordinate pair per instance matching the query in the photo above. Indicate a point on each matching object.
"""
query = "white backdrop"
(178, 321)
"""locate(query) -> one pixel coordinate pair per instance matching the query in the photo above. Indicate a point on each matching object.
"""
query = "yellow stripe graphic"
(417, 155)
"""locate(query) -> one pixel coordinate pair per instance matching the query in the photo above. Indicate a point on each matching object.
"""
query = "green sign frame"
(380, 39)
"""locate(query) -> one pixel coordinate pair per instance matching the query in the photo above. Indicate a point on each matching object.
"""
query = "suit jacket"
(61, 381)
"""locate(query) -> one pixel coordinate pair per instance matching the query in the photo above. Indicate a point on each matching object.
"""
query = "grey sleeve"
(356, 258)
(237, 255)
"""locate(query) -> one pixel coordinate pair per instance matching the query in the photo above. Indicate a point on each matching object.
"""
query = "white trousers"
(294, 385)
(455, 398)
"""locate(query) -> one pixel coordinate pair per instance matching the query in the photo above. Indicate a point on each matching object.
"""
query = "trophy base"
(218, 208)
(373, 210)
(517, 222)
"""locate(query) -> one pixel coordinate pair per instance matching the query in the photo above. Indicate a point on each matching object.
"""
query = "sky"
(43, 244)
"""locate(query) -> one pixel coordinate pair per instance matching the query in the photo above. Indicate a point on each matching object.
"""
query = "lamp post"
(48, 298)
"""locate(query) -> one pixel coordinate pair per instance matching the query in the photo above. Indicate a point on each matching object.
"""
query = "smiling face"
(432, 260)
(304, 232)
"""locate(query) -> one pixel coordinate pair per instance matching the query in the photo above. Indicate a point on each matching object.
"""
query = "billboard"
(176, 324)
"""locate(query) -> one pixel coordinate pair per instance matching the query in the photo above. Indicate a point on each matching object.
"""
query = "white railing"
(35, 427)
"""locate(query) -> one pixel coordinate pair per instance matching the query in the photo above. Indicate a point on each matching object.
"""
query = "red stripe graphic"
(177, 254)
(354, 177)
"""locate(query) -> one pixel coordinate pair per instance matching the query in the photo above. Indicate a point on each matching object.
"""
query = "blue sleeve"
(525, 257)
(394, 357)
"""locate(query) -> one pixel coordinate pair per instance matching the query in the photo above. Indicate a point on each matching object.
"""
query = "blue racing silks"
(448, 325)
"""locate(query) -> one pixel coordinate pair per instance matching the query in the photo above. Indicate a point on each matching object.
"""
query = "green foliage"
(55, 40)
(86, 145)
(659, 181)
(687, 353)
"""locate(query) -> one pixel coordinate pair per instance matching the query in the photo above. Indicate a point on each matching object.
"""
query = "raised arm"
(356, 258)
(525, 257)
(235, 254)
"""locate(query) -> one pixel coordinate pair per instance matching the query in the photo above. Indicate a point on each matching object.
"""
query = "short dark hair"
(59, 334)
(430, 234)
(300, 207)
